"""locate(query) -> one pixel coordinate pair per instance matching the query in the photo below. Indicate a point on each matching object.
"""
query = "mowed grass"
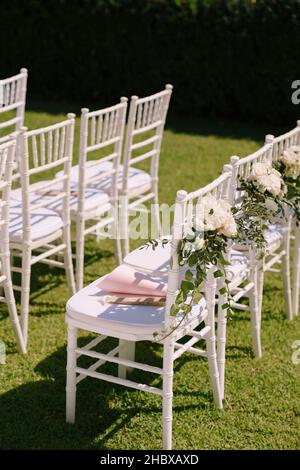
(262, 406)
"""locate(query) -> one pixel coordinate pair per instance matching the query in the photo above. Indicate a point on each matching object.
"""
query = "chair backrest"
(284, 141)
(187, 206)
(146, 116)
(100, 130)
(7, 155)
(242, 168)
(42, 151)
(13, 98)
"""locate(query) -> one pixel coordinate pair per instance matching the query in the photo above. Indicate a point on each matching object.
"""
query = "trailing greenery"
(235, 58)
(289, 167)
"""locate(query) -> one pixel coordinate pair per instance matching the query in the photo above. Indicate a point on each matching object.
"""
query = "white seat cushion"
(88, 306)
(273, 236)
(138, 180)
(157, 260)
(43, 223)
(149, 260)
(95, 201)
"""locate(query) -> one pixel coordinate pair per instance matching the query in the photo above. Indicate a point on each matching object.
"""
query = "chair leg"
(221, 342)
(126, 351)
(213, 370)
(71, 375)
(167, 394)
(258, 279)
(118, 250)
(256, 273)
(25, 290)
(286, 275)
(11, 304)
(296, 272)
(210, 289)
(80, 225)
(68, 260)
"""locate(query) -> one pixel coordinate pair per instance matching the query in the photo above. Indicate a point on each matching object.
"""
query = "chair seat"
(139, 181)
(88, 307)
(95, 201)
(273, 236)
(43, 223)
(157, 261)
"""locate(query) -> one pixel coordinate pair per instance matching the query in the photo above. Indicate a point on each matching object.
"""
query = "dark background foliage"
(225, 57)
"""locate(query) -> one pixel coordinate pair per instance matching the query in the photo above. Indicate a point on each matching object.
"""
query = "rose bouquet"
(289, 166)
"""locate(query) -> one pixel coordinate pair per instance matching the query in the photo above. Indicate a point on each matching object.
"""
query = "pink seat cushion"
(126, 280)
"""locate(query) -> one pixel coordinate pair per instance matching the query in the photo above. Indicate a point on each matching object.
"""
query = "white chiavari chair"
(146, 122)
(242, 278)
(7, 151)
(100, 130)
(277, 238)
(90, 311)
(13, 99)
(281, 143)
(36, 232)
(96, 181)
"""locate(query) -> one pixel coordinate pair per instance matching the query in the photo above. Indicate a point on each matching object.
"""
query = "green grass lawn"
(262, 406)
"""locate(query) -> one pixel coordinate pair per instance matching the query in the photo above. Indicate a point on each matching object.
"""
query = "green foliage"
(253, 215)
(234, 58)
(293, 190)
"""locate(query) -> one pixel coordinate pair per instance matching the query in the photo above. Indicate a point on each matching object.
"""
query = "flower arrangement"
(290, 162)
(267, 180)
(205, 241)
(264, 200)
(289, 167)
(204, 244)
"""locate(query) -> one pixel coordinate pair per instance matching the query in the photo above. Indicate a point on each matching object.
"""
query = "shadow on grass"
(33, 415)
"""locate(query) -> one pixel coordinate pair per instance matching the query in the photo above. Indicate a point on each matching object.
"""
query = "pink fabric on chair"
(126, 280)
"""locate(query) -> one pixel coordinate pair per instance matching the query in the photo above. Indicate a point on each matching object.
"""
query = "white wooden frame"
(7, 156)
(242, 167)
(50, 148)
(123, 355)
(99, 130)
(145, 115)
(280, 144)
(13, 98)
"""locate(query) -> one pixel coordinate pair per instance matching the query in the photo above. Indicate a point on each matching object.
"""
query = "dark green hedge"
(224, 57)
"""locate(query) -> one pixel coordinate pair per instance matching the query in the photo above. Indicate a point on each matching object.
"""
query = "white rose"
(189, 233)
(198, 243)
(271, 183)
(225, 205)
(288, 157)
(229, 228)
(271, 205)
(259, 169)
(199, 223)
